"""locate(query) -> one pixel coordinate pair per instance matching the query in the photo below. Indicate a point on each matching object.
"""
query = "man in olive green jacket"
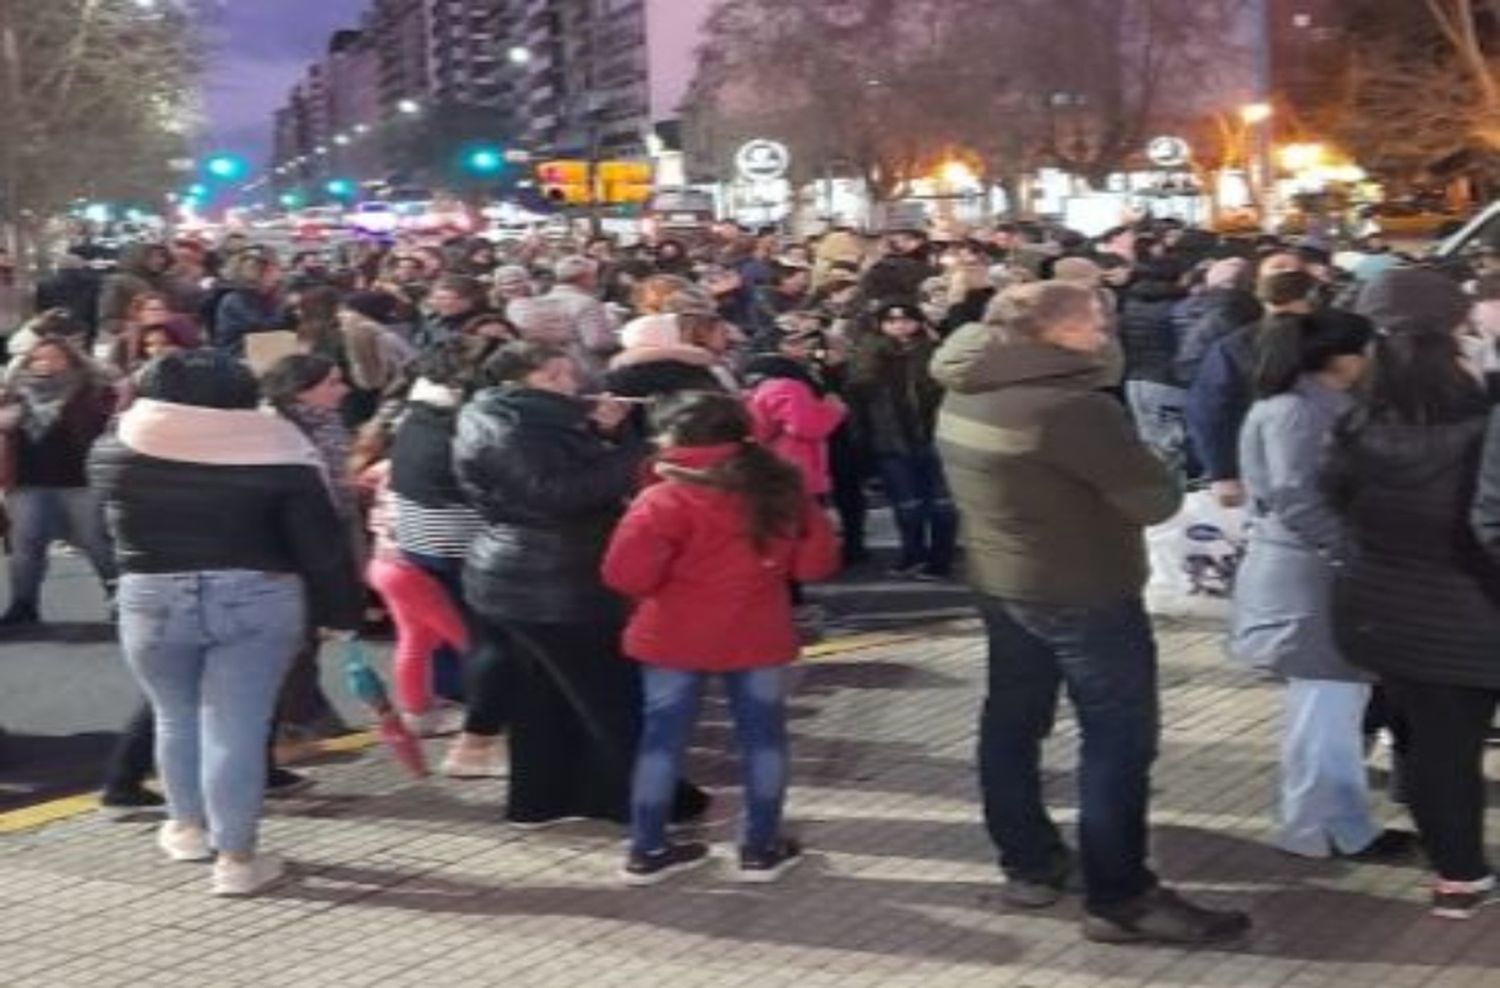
(1054, 489)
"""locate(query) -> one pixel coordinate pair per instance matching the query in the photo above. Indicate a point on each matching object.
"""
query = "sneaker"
(282, 783)
(246, 877)
(125, 805)
(1163, 916)
(1390, 847)
(467, 759)
(529, 825)
(1043, 893)
(647, 869)
(181, 843)
(764, 867)
(1461, 900)
(441, 720)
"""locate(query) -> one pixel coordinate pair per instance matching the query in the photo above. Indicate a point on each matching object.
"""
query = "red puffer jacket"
(707, 599)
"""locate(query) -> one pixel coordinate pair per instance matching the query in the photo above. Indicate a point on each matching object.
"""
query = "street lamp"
(1257, 113)
(410, 107)
(361, 129)
(342, 140)
(519, 55)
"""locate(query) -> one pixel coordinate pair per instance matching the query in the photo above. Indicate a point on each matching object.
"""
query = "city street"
(400, 883)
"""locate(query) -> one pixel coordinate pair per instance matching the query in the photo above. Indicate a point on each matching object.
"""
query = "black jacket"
(656, 378)
(1147, 332)
(550, 491)
(1419, 596)
(892, 396)
(422, 456)
(176, 516)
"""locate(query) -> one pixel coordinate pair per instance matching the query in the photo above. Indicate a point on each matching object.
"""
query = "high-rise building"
(599, 74)
(399, 34)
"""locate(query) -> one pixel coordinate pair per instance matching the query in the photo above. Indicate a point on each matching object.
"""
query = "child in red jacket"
(707, 555)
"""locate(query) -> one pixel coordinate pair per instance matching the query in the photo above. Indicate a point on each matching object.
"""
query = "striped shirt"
(444, 532)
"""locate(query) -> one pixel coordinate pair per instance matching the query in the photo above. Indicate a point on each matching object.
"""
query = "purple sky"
(259, 49)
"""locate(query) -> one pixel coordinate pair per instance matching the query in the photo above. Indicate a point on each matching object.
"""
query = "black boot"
(21, 614)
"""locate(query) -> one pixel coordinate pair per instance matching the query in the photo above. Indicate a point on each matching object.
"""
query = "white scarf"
(215, 436)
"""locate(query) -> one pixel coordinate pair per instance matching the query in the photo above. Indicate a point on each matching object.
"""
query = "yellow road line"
(67, 807)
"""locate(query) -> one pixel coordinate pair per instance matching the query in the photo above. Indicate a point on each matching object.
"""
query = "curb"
(70, 807)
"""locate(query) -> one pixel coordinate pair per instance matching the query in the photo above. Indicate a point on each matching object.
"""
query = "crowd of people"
(582, 479)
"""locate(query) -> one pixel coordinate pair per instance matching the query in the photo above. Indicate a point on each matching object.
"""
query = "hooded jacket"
(708, 598)
(189, 489)
(550, 491)
(1052, 483)
(792, 417)
(1202, 320)
(892, 396)
(1419, 595)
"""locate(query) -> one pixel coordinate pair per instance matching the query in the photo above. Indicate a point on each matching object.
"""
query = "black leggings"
(1445, 771)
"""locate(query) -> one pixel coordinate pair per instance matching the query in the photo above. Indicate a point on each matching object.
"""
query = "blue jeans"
(1106, 658)
(40, 514)
(925, 517)
(757, 700)
(210, 650)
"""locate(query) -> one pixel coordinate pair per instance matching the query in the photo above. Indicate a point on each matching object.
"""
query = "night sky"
(258, 49)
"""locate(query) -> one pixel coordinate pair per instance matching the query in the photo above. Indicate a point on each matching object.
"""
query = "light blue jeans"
(211, 649)
(1325, 798)
(757, 700)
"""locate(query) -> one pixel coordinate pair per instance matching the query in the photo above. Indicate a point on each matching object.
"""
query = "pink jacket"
(794, 423)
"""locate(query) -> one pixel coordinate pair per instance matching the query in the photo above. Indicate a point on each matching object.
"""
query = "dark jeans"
(1445, 783)
(447, 664)
(1105, 656)
(849, 468)
(575, 718)
(925, 516)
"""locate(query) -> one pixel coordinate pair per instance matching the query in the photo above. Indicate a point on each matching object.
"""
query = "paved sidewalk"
(418, 884)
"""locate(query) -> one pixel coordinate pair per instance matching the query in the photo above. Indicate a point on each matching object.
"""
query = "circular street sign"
(762, 161)
(1168, 152)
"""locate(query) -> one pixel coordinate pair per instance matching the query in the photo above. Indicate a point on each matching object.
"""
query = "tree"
(95, 95)
(885, 89)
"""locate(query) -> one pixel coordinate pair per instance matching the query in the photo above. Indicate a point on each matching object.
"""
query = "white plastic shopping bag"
(1194, 557)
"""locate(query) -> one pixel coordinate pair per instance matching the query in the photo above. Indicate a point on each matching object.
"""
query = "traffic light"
(341, 188)
(624, 181)
(564, 182)
(484, 160)
(291, 200)
(226, 167)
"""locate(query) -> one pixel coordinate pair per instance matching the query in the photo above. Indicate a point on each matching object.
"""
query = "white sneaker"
(439, 721)
(247, 877)
(182, 843)
(465, 761)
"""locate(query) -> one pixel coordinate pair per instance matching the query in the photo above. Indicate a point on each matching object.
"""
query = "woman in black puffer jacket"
(539, 465)
(1418, 601)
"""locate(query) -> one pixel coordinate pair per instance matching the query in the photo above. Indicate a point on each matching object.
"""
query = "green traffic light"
(485, 161)
(341, 187)
(228, 167)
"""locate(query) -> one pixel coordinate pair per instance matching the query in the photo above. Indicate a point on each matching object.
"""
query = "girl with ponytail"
(706, 554)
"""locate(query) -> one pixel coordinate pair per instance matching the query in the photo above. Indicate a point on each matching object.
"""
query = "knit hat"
(651, 331)
(1080, 270)
(377, 306)
(898, 310)
(1406, 300)
(1231, 272)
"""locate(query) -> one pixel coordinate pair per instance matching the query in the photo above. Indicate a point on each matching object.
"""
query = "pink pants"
(425, 618)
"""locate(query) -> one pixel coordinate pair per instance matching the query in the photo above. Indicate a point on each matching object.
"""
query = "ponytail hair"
(772, 488)
(1289, 346)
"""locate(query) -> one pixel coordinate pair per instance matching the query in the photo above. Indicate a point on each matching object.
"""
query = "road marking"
(68, 807)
